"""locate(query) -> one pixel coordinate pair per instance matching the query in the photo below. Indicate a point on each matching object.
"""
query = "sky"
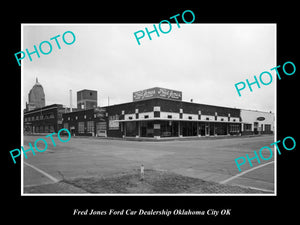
(204, 61)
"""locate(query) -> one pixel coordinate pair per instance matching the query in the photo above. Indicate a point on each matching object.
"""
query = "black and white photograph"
(162, 117)
(166, 114)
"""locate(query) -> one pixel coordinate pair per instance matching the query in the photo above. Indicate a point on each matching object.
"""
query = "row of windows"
(76, 117)
(114, 117)
(40, 117)
(234, 128)
(81, 127)
(40, 129)
(248, 127)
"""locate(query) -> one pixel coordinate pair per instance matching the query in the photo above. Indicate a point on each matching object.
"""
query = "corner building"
(156, 113)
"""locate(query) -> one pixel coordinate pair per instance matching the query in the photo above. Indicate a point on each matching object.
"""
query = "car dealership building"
(160, 112)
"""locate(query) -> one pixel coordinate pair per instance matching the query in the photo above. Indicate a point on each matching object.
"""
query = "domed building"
(36, 97)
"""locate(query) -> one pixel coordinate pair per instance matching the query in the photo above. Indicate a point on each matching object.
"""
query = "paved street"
(208, 159)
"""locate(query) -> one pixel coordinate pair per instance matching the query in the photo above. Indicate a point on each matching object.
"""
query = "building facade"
(36, 97)
(256, 122)
(46, 119)
(86, 99)
(154, 113)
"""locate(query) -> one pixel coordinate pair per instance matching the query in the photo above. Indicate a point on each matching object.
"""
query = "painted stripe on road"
(243, 173)
(42, 172)
(255, 188)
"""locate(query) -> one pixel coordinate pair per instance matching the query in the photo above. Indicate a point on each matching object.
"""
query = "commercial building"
(86, 99)
(47, 119)
(156, 112)
(256, 122)
(36, 97)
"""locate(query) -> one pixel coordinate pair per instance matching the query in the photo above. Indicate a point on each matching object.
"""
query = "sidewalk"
(151, 139)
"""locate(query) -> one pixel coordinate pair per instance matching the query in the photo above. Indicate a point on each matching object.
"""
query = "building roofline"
(43, 108)
(254, 110)
(164, 99)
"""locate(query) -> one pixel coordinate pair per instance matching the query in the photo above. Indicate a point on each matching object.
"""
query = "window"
(80, 127)
(90, 126)
(247, 127)
(267, 127)
(234, 128)
(114, 117)
(47, 129)
(66, 126)
(51, 116)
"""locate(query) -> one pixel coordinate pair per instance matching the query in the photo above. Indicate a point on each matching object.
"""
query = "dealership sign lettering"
(157, 93)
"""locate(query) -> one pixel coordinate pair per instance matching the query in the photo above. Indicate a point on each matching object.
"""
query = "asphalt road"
(208, 159)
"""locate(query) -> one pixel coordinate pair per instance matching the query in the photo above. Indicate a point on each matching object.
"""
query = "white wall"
(250, 116)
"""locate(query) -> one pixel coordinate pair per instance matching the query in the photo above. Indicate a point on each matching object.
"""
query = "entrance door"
(212, 129)
(206, 129)
(255, 127)
(101, 129)
(202, 129)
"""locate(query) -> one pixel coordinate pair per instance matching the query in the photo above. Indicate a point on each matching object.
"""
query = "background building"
(257, 122)
(86, 99)
(36, 97)
(39, 118)
(47, 119)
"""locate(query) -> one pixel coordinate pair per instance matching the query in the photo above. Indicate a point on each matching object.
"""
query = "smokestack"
(70, 100)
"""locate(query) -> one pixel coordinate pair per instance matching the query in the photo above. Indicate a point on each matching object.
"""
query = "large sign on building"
(157, 92)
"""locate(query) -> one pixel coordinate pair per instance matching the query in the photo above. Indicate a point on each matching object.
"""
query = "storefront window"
(189, 128)
(131, 129)
(146, 128)
(267, 127)
(90, 126)
(169, 128)
(66, 126)
(221, 128)
(247, 127)
(80, 127)
(234, 128)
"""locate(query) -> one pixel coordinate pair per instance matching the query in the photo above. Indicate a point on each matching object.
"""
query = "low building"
(257, 122)
(46, 119)
(155, 112)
